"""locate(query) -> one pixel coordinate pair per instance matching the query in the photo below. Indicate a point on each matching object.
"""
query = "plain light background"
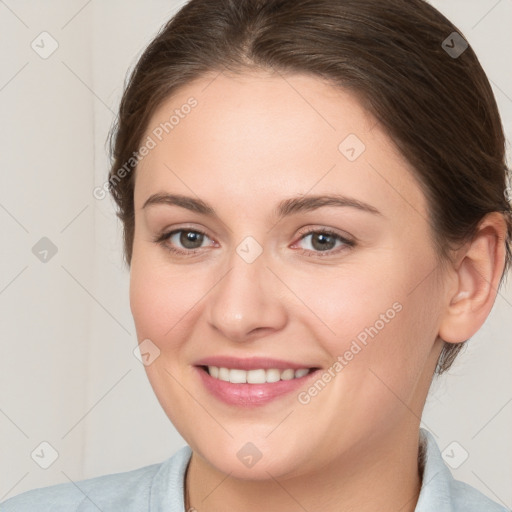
(68, 374)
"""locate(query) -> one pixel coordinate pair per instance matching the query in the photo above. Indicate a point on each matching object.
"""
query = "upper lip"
(252, 363)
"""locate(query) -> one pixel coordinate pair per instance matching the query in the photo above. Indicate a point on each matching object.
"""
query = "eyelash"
(164, 237)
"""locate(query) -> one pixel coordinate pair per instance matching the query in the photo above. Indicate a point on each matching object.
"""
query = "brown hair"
(436, 105)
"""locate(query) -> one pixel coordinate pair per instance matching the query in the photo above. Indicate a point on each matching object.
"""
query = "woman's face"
(251, 157)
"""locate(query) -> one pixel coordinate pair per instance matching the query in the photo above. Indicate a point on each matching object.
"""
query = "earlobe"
(477, 278)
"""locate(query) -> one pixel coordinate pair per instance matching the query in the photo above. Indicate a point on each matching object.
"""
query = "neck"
(383, 476)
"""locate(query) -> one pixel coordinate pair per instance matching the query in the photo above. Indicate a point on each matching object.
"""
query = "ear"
(476, 279)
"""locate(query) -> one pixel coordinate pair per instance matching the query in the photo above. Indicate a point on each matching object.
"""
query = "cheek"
(162, 304)
(340, 302)
(162, 299)
(373, 317)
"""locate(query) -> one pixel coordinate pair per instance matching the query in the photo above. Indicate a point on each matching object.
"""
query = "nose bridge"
(243, 299)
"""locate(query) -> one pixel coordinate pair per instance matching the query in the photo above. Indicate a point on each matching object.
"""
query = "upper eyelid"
(320, 229)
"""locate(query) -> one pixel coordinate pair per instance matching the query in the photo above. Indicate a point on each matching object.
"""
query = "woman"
(313, 196)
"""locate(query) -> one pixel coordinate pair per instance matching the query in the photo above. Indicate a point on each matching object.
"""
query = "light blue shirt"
(159, 488)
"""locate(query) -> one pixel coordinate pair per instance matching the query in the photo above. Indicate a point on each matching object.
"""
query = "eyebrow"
(285, 208)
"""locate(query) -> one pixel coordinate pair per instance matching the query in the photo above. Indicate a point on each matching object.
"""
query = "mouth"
(252, 382)
(256, 376)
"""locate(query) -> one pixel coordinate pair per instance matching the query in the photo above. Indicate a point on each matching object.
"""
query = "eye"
(322, 242)
(186, 241)
(190, 240)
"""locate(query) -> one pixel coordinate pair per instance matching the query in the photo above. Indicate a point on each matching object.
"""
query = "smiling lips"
(250, 382)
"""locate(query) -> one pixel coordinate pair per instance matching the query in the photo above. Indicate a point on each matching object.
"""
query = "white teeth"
(237, 376)
(256, 376)
(273, 375)
(223, 374)
(288, 374)
(260, 376)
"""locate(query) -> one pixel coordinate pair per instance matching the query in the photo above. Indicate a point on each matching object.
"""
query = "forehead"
(260, 135)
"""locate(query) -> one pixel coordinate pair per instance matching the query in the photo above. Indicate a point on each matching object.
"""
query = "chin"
(249, 463)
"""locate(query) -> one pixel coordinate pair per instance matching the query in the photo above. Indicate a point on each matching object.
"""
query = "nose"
(245, 304)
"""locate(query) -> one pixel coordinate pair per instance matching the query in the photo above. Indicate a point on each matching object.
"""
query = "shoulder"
(130, 491)
(468, 499)
(113, 488)
(441, 492)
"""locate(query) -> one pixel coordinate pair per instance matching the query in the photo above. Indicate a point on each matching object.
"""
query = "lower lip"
(250, 395)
